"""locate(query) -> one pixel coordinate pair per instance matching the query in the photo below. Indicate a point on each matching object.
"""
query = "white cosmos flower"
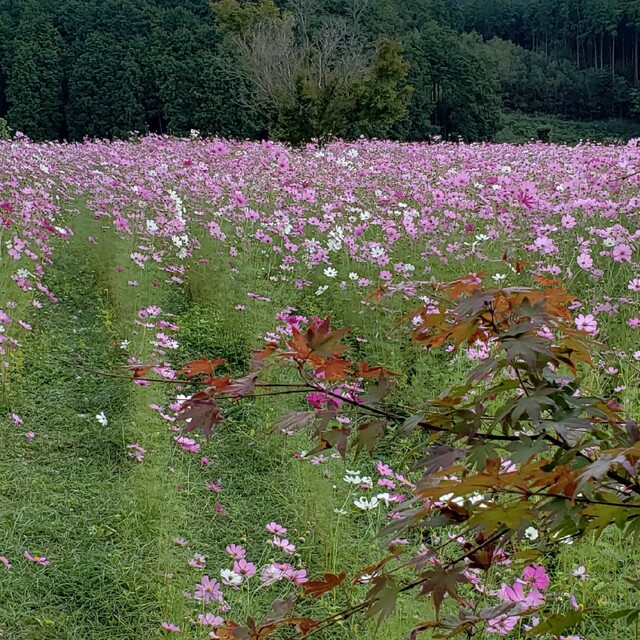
(321, 290)
(459, 500)
(230, 578)
(531, 533)
(102, 419)
(353, 276)
(366, 505)
(353, 479)
(366, 577)
(330, 272)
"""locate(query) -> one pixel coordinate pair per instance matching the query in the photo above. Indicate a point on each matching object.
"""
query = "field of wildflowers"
(122, 256)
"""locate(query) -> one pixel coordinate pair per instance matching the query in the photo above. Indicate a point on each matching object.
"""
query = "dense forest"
(302, 69)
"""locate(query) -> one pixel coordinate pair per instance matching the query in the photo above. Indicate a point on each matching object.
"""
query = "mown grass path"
(71, 493)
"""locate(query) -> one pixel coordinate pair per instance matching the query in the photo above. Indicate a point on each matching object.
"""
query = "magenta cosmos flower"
(536, 577)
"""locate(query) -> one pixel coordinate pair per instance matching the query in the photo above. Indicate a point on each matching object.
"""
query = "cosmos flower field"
(113, 524)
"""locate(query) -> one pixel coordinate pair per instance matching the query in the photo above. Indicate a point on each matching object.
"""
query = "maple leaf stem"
(580, 499)
(522, 385)
(123, 376)
(345, 614)
(452, 563)
(288, 392)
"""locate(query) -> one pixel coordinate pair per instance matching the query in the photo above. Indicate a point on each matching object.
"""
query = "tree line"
(299, 69)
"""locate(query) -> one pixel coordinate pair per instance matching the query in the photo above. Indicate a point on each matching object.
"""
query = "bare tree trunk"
(635, 58)
(613, 56)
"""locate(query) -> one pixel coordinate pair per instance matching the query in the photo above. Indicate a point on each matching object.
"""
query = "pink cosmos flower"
(197, 562)
(502, 625)
(208, 589)
(284, 544)
(274, 527)
(169, 626)
(622, 253)
(585, 261)
(136, 452)
(383, 469)
(587, 323)
(236, 551)
(210, 620)
(5, 562)
(516, 595)
(244, 568)
(297, 576)
(41, 560)
(536, 577)
(187, 444)
(212, 486)
(271, 574)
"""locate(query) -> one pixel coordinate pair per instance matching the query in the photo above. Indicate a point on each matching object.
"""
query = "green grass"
(108, 523)
(518, 128)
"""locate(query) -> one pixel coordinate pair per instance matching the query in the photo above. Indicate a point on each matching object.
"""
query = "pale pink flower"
(41, 560)
(210, 620)
(284, 544)
(274, 527)
(502, 625)
(587, 323)
(236, 551)
(271, 573)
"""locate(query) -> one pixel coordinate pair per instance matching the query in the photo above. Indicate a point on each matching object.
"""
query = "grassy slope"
(518, 128)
